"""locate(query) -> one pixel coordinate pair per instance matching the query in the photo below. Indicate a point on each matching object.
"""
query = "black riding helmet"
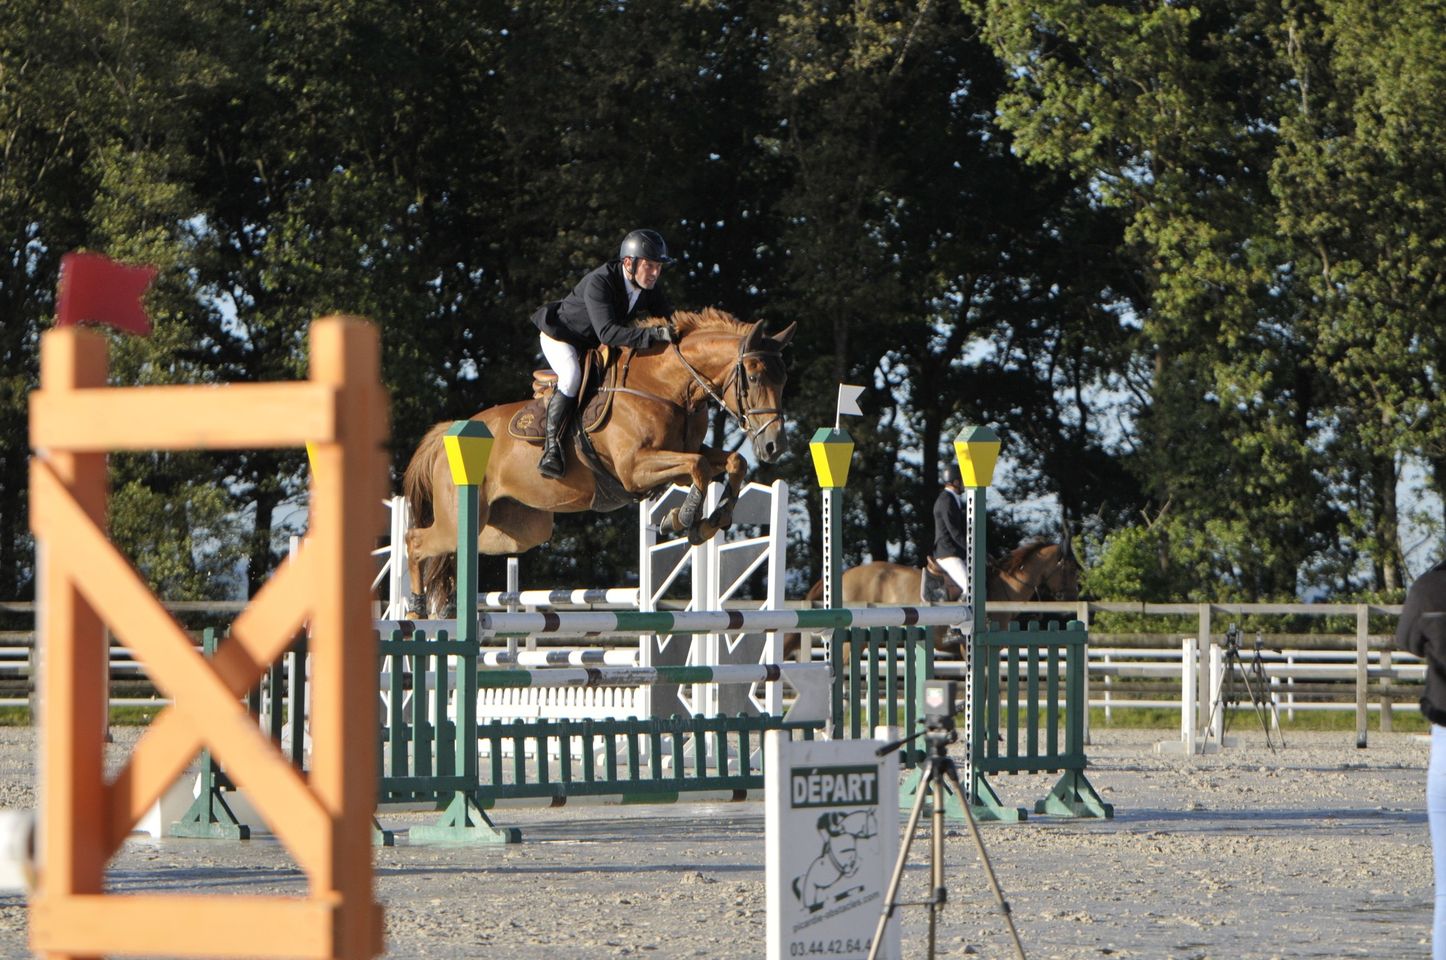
(648, 244)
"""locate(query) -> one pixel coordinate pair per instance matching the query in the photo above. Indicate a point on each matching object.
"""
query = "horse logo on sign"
(837, 861)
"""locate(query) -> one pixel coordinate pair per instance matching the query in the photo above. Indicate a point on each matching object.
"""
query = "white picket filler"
(717, 571)
(720, 568)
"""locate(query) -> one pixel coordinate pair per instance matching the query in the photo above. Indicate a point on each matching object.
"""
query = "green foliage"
(1184, 258)
(182, 534)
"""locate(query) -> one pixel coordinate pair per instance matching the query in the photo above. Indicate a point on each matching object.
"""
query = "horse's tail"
(439, 574)
(815, 592)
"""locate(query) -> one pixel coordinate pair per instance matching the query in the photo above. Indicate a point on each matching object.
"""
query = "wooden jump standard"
(84, 585)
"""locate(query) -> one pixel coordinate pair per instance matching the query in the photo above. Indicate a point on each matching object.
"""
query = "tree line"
(1185, 258)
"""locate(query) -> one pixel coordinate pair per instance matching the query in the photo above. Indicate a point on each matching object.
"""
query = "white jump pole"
(1187, 694)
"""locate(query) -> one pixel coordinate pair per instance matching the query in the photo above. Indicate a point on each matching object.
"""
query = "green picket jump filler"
(469, 446)
(977, 449)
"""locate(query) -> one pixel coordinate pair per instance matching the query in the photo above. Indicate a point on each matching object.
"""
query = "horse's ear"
(753, 336)
(786, 334)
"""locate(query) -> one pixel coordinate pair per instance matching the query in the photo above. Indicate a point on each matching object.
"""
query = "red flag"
(96, 289)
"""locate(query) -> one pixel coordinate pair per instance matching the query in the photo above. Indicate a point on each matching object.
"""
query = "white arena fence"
(1360, 671)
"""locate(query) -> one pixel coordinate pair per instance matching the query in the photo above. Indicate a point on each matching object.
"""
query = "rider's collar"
(632, 289)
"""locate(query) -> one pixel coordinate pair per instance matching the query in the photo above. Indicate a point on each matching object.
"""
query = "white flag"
(848, 401)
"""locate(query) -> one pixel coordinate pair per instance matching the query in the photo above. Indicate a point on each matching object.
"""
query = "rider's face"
(644, 272)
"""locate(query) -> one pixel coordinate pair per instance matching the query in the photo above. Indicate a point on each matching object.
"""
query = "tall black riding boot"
(559, 411)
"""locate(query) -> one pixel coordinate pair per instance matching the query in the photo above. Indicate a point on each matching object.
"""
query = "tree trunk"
(258, 563)
(1388, 561)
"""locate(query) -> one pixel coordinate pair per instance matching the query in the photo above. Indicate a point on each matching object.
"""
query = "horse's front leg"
(736, 469)
(701, 530)
(652, 468)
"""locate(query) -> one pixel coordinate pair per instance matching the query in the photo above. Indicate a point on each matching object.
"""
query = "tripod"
(1227, 696)
(939, 734)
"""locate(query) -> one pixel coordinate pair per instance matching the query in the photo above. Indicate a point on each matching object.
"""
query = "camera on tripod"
(941, 703)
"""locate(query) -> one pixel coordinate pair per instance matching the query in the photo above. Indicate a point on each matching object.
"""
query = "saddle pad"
(529, 424)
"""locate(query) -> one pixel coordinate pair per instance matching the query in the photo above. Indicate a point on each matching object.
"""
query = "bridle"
(738, 379)
(1042, 590)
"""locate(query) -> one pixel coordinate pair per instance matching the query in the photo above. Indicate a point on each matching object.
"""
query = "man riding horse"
(950, 545)
(596, 312)
(645, 429)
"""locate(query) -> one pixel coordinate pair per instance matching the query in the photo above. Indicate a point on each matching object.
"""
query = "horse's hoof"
(722, 518)
(688, 511)
(702, 532)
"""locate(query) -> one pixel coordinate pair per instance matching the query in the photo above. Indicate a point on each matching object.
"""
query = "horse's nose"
(773, 448)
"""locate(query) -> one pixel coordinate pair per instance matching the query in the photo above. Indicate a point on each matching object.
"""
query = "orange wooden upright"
(86, 585)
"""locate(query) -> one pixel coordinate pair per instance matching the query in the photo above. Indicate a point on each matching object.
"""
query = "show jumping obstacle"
(707, 575)
(1025, 690)
(323, 818)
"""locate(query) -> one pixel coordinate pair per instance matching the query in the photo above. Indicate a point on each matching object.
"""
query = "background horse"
(651, 437)
(1035, 571)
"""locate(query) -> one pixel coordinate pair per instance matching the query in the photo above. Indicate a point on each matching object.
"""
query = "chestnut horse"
(1035, 571)
(651, 437)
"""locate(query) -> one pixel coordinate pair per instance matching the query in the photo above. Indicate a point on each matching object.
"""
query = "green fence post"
(209, 817)
(469, 445)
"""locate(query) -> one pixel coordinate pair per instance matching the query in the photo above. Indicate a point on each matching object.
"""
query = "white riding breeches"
(954, 567)
(1436, 821)
(562, 358)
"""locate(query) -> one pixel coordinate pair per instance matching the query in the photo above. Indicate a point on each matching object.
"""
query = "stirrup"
(547, 469)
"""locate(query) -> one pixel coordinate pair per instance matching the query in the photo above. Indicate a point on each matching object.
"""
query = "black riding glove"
(663, 333)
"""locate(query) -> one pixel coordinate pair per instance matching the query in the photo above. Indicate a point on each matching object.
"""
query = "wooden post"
(1363, 626)
(70, 640)
(324, 819)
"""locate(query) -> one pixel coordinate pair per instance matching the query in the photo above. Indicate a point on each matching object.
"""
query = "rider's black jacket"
(1422, 630)
(949, 538)
(597, 311)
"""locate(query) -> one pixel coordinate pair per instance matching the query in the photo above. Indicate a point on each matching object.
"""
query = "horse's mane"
(1020, 556)
(709, 318)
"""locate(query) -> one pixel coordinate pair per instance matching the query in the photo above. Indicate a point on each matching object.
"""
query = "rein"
(738, 380)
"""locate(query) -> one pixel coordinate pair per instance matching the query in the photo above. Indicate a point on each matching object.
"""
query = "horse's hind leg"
(425, 543)
(513, 527)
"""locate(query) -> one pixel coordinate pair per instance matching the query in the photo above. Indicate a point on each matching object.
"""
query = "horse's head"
(740, 367)
(1036, 571)
(761, 375)
(1060, 572)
